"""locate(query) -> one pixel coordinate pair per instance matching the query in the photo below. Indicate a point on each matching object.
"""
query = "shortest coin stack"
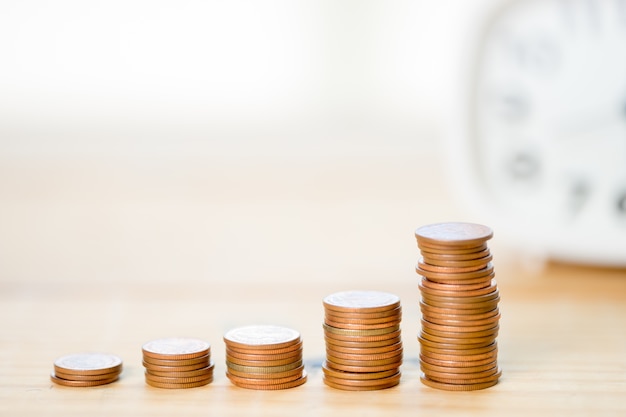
(264, 357)
(86, 369)
(363, 342)
(177, 363)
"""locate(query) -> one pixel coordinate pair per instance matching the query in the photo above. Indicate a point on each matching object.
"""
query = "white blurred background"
(160, 141)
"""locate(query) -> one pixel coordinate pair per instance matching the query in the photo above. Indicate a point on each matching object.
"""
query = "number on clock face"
(550, 111)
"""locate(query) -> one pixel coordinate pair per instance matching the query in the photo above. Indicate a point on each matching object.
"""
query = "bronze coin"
(363, 344)
(263, 369)
(360, 387)
(354, 368)
(367, 322)
(459, 329)
(493, 354)
(175, 348)
(264, 363)
(357, 315)
(430, 309)
(476, 336)
(75, 377)
(424, 282)
(461, 377)
(88, 364)
(364, 351)
(361, 332)
(261, 337)
(470, 323)
(177, 362)
(453, 350)
(490, 296)
(361, 301)
(359, 326)
(455, 346)
(450, 269)
(357, 375)
(455, 234)
(82, 383)
(489, 315)
(476, 380)
(451, 280)
(177, 379)
(267, 387)
(458, 276)
(265, 381)
(439, 249)
(455, 364)
(183, 374)
(454, 257)
(456, 341)
(181, 385)
(458, 293)
(458, 305)
(395, 378)
(384, 337)
(262, 356)
(368, 362)
(158, 368)
(437, 265)
(265, 375)
(455, 387)
(253, 351)
(427, 367)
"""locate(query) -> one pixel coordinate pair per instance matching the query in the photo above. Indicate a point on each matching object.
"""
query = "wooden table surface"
(562, 343)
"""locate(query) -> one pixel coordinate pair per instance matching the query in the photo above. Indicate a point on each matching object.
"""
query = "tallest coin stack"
(459, 304)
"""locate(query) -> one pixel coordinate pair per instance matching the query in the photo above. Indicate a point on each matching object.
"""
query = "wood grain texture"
(562, 348)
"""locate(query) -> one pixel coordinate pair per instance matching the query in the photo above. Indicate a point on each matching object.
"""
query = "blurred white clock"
(540, 146)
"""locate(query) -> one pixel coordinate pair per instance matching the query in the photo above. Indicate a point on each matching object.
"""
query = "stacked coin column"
(86, 369)
(264, 357)
(459, 304)
(363, 342)
(177, 363)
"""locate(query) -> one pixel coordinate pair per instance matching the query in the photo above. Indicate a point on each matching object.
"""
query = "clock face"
(549, 117)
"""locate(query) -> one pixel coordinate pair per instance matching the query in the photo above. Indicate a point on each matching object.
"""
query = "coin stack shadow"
(459, 305)
(264, 357)
(363, 340)
(169, 366)
(86, 369)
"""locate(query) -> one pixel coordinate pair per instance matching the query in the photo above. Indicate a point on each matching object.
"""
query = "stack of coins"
(363, 342)
(264, 357)
(86, 369)
(459, 307)
(177, 363)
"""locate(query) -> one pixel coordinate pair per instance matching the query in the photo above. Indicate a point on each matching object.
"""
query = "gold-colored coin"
(456, 387)
(253, 351)
(364, 344)
(263, 369)
(456, 364)
(445, 329)
(461, 323)
(357, 375)
(382, 337)
(451, 269)
(492, 354)
(328, 318)
(263, 363)
(357, 362)
(88, 364)
(447, 376)
(462, 317)
(476, 380)
(361, 301)
(81, 383)
(265, 375)
(493, 333)
(175, 348)
(183, 374)
(439, 249)
(204, 360)
(455, 346)
(261, 337)
(468, 307)
(424, 282)
(179, 385)
(457, 341)
(79, 377)
(454, 299)
(459, 293)
(453, 234)
(366, 383)
(478, 309)
(426, 349)
(363, 356)
(271, 387)
(451, 280)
